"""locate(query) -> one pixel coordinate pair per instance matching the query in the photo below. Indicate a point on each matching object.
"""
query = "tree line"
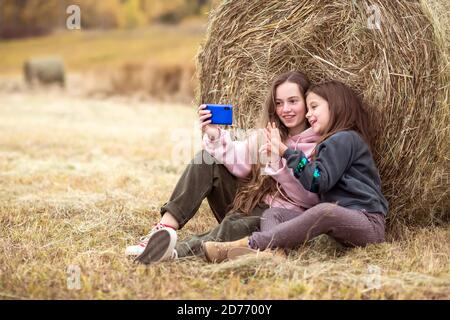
(22, 18)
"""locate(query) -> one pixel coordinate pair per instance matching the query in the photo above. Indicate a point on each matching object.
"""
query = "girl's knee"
(229, 218)
(272, 214)
(232, 219)
(324, 210)
(325, 207)
(203, 157)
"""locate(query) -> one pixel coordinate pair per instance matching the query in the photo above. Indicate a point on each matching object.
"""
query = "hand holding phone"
(212, 130)
(221, 113)
(210, 115)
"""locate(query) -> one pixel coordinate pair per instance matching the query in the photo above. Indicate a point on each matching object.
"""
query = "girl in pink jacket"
(234, 177)
(236, 156)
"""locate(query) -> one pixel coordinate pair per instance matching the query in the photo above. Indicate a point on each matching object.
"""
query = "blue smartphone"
(221, 113)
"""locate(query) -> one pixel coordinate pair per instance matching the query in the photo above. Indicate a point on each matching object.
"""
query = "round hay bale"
(44, 71)
(400, 68)
(172, 82)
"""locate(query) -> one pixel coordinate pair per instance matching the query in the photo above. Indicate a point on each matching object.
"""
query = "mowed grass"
(81, 179)
(83, 50)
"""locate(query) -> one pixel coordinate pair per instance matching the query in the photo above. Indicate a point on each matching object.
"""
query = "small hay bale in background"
(172, 82)
(44, 71)
(401, 70)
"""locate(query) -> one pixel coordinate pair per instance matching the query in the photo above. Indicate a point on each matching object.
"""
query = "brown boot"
(236, 253)
(217, 251)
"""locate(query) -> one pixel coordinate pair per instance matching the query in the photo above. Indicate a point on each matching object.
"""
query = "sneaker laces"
(144, 239)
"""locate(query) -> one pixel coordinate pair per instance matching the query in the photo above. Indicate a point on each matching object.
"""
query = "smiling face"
(290, 107)
(318, 113)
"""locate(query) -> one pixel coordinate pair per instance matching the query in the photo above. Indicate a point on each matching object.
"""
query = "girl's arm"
(334, 156)
(293, 188)
(284, 175)
(234, 155)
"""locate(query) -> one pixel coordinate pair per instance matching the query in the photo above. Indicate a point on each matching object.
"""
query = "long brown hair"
(255, 187)
(347, 111)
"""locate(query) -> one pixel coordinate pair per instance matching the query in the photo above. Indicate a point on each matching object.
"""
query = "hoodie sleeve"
(290, 184)
(333, 157)
(234, 155)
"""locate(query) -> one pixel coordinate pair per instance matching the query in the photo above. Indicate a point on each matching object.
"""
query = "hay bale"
(400, 69)
(172, 82)
(44, 71)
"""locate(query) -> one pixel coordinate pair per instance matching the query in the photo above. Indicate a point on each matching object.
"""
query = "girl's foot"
(236, 253)
(217, 251)
(139, 248)
(160, 247)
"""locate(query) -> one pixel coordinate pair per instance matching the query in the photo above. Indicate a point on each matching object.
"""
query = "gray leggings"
(282, 228)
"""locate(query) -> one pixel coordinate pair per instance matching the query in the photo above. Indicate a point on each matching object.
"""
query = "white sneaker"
(160, 247)
(138, 249)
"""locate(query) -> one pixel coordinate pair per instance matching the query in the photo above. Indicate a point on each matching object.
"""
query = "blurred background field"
(123, 47)
(106, 49)
(84, 169)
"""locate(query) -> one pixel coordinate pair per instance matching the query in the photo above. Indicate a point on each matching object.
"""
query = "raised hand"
(276, 146)
(212, 130)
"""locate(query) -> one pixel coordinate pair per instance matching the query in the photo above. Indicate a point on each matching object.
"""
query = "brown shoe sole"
(236, 253)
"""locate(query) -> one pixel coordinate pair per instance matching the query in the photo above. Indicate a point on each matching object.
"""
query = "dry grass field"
(80, 179)
(105, 50)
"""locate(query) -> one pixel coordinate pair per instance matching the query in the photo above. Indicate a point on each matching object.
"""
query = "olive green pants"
(204, 178)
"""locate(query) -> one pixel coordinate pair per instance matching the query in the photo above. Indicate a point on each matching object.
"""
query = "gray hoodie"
(343, 172)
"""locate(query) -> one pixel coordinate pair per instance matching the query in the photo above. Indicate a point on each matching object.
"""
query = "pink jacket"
(238, 157)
